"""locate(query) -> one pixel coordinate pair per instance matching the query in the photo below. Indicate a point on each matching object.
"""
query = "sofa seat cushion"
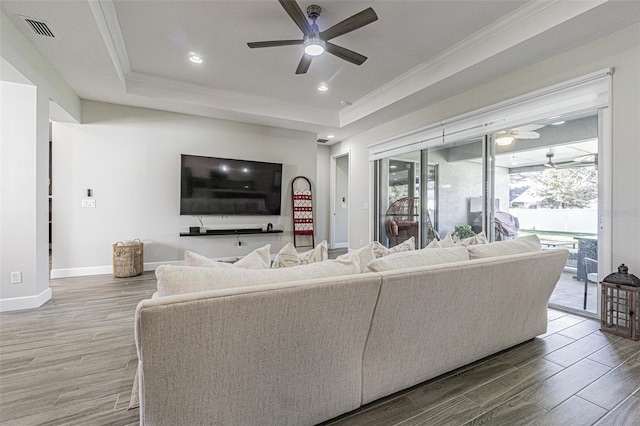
(416, 258)
(258, 259)
(189, 279)
(527, 244)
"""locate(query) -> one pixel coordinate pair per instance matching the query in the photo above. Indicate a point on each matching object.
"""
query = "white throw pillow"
(525, 244)
(476, 239)
(434, 244)
(364, 255)
(288, 256)
(258, 259)
(415, 258)
(188, 279)
(407, 245)
(447, 241)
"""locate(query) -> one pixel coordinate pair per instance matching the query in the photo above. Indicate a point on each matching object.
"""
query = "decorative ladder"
(302, 210)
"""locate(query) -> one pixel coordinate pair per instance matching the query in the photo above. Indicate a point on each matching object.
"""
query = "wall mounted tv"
(223, 186)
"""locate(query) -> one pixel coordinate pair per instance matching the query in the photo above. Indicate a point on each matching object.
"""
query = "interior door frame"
(333, 168)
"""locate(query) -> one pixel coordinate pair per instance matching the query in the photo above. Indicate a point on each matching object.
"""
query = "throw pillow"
(188, 279)
(525, 244)
(415, 258)
(364, 255)
(258, 259)
(476, 239)
(434, 244)
(380, 251)
(288, 256)
(447, 241)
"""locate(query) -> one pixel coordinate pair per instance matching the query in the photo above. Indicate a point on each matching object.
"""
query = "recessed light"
(331, 136)
(323, 87)
(557, 123)
(195, 59)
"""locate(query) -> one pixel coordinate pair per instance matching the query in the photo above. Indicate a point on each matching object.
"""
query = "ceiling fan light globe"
(504, 140)
(314, 47)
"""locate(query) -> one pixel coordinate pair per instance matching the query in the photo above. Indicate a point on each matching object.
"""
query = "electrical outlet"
(88, 203)
(16, 277)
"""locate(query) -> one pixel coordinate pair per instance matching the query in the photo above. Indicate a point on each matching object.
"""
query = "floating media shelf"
(242, 231)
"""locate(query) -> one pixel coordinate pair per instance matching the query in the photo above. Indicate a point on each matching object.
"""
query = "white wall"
(342, 201)
(322, 205)
(24, 151)
(620, 50)
(130, 158)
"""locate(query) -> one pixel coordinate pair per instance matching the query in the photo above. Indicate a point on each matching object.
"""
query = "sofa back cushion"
(433, 319)
(286, 354)
(189, 279)
(527, 244)
(415, 258)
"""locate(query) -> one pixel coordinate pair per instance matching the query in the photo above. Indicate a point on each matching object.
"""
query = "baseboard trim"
(26, 302)
(108, 269)
(341, 245)
(104, 270)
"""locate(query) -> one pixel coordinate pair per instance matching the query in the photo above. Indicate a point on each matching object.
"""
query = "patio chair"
(591, 275)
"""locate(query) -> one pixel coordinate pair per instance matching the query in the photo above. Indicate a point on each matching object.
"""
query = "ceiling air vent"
(323, 140)
(39, 27)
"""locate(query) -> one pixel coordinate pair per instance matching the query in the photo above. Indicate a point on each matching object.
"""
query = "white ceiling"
(136, 53)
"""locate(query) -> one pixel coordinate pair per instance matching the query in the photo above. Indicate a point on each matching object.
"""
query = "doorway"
(340, 185)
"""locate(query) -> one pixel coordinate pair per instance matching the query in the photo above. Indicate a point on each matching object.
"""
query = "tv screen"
(212, 186)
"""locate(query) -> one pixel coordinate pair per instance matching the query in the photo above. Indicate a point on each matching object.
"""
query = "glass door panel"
(398, 183)
(548, 171)
(459, 190)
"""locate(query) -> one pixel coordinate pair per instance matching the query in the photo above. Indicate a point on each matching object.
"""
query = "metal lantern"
(620, 313)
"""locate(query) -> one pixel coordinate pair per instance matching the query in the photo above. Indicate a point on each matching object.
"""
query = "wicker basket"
(128, 258)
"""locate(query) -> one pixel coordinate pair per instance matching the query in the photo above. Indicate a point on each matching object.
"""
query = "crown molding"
(142, 84)
(520, 25)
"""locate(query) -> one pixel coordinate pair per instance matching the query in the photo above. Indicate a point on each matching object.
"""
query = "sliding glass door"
(549, 170)
(540, 178)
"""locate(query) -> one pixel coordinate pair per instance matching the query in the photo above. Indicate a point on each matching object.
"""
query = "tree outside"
(561, 188)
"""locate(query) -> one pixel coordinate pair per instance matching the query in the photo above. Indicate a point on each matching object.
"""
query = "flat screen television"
(224, 186)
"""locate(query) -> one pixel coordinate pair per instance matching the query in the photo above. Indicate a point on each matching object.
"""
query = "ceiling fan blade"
(356, 21)
(294, 11)
(273, 43)
(303, 66)
(346, 54)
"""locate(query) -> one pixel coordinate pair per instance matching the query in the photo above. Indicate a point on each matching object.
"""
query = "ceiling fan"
(524, 132)
(550, 162)
(587, 160)
(316, 42)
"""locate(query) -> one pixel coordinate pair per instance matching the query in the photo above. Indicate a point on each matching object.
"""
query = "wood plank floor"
(73, 360)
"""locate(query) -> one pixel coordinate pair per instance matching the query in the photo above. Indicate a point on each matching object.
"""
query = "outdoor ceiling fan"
(525, 132)
(550, 162)
(316, 42)
(582, 161)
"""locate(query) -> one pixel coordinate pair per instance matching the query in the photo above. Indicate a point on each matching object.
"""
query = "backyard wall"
(562, 220)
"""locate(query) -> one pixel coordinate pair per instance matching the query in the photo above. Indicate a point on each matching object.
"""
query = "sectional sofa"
(303, 350)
